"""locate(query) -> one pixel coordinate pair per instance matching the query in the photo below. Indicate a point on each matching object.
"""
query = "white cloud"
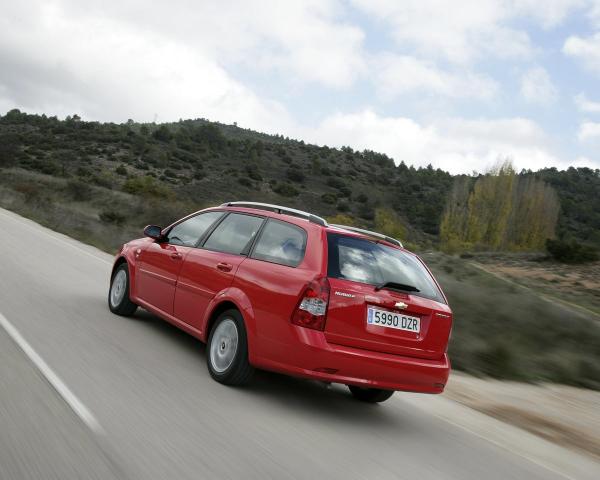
(588, 131)
(174, 60)
(466, 30)
(594, 13)
(454, 144)
(398, 74)
(537, 87)
(460, 32)
(584, 104)
(551, 13)
(585, 49)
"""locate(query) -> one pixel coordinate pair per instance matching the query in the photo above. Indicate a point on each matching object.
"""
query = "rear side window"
(189, 231)
(282, 243)
(234, 234)
(370, 262)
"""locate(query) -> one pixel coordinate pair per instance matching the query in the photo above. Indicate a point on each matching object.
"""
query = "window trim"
(189, 217)
(260, 233)
(247, 248)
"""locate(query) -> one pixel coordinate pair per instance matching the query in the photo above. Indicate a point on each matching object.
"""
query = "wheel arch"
(130, 270)
(118, 262)
(231, 299)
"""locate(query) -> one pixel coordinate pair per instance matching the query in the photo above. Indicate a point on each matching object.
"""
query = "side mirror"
(153, 231)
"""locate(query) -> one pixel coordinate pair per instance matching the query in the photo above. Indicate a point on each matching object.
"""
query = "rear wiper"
(396, 286)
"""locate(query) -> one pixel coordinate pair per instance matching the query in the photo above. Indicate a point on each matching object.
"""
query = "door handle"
(224, 267)
(176, 255)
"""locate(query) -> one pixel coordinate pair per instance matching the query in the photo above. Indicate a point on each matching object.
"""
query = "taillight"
(311, 312)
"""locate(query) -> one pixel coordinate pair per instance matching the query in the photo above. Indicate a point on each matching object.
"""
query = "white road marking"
(61, 388)
(37, 228)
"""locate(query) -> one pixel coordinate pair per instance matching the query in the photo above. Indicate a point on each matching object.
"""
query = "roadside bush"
(571, 252)
(112, 216)
(29, 190)
(78, 190)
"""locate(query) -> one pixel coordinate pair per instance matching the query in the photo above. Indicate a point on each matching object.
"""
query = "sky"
(460, 85)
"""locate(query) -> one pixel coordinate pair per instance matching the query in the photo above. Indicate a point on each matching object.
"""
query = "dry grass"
(573, 284)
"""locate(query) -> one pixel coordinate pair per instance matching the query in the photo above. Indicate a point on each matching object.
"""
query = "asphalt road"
(159, 415)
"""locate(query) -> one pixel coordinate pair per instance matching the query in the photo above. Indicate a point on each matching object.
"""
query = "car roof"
(301, 218)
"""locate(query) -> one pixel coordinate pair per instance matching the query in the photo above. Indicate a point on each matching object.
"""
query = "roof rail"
(278, 209)
(370, 234)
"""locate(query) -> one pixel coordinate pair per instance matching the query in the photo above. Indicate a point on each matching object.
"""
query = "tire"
(227, 350)
(370, 395)
(118, 294)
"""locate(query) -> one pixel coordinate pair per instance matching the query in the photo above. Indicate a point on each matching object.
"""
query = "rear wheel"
(370, 395)
(227, 350)
(118, 295)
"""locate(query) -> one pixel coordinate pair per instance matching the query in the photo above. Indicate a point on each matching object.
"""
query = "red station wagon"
(279, 289)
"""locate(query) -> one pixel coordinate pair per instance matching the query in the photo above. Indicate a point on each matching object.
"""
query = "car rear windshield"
(366, 261)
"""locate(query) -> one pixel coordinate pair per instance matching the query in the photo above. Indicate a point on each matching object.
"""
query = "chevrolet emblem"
(401, 305)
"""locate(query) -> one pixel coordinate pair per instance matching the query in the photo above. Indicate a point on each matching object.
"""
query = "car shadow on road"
(302, 396)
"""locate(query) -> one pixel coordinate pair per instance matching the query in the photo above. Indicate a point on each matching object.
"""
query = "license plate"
(384, 318)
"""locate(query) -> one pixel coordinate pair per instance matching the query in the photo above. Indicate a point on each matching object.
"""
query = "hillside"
(116, 170)
(101, 183)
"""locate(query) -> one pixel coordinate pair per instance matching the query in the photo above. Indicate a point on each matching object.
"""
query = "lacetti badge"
(344, 294)
(401, 305)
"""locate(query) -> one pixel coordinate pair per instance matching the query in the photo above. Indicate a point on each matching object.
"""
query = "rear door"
(387, 319)
(211, 268)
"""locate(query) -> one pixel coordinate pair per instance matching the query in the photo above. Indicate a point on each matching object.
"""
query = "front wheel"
(370, 395)
(227, 350)
(118, 295)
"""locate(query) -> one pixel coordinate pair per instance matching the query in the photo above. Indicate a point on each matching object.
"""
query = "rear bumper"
(313, 357)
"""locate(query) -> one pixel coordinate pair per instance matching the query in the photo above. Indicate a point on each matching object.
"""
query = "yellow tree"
(502, 211)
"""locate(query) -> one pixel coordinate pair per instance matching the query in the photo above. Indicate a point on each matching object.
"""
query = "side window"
(282, 243)
(234, 233)
(188, 232)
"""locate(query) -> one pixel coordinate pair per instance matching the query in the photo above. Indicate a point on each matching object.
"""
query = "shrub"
(210, 135)
(295, 175)
(145, 186)
(162, 134)
(286, 189)
(78, 190)
(253, 172)
(49, 167)
(29, 190)
(112, 216)
(342, 219)
(336, 183)
(245, 182)
(342, 207)
(121, 170)
(365, 210)
(329, 198)
(571, 252)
